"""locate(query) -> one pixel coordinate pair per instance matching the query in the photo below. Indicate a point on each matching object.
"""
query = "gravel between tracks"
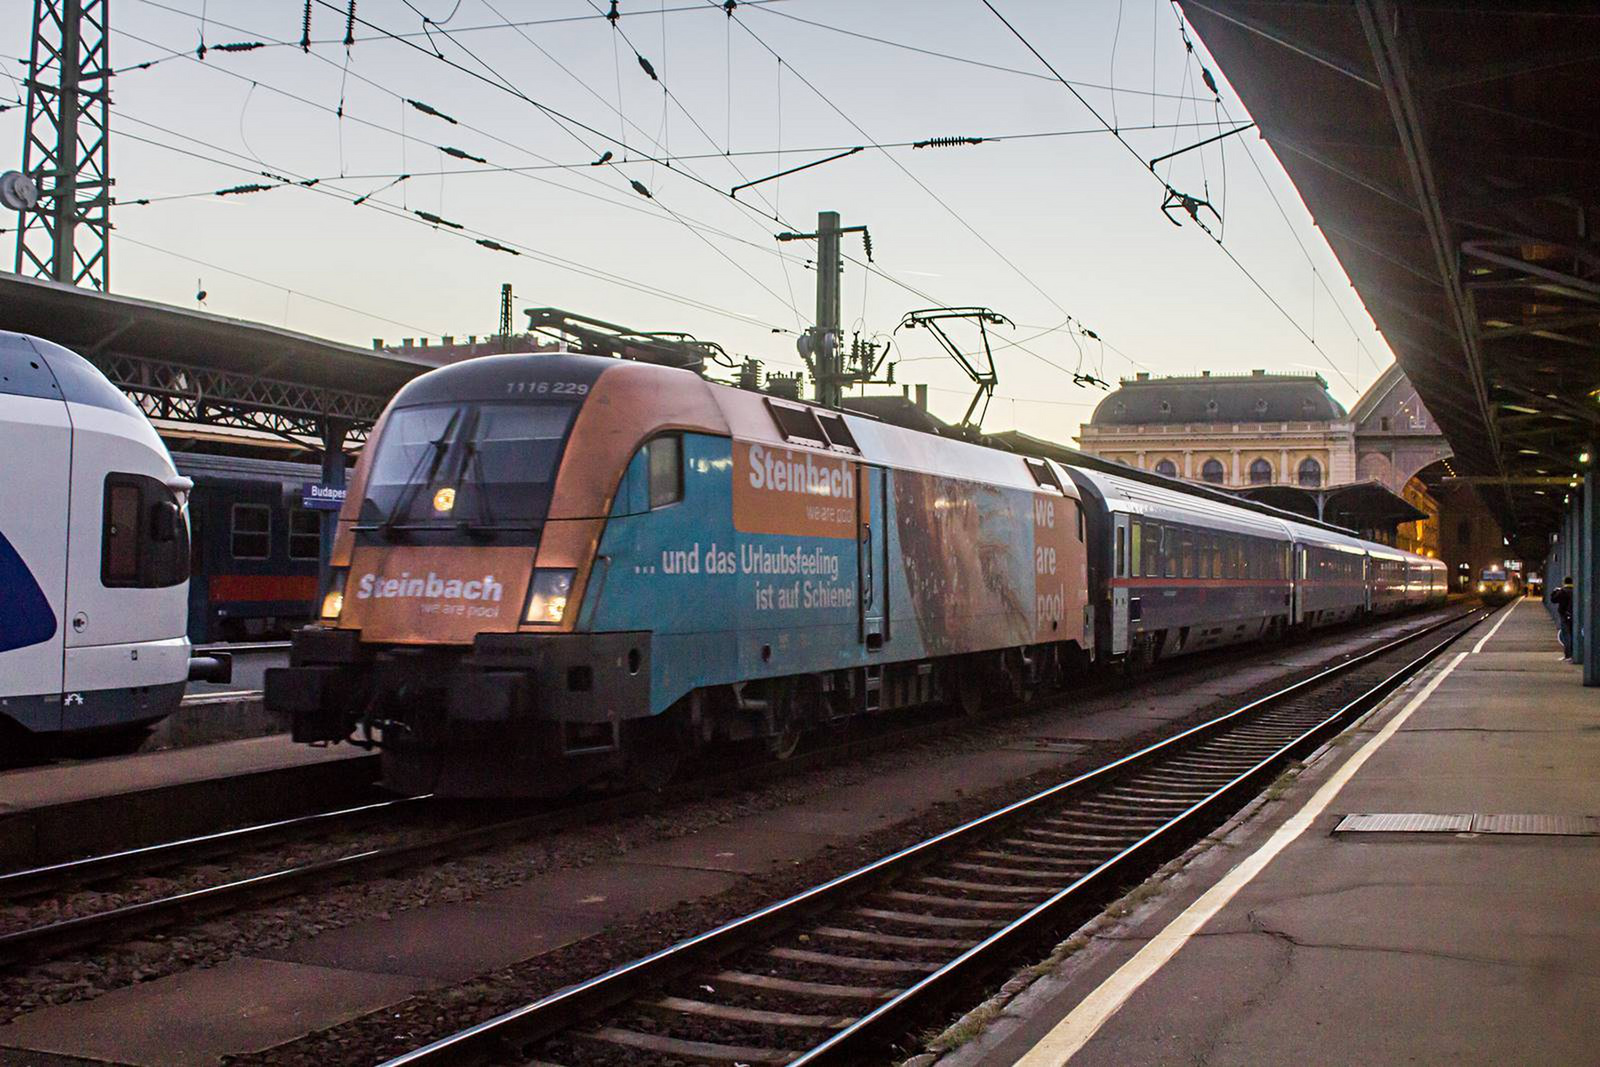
(86, 975)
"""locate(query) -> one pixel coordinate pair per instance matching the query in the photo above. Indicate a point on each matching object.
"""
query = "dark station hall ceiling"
(1450, 152)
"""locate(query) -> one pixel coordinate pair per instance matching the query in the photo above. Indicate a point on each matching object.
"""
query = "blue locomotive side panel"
(775, 562)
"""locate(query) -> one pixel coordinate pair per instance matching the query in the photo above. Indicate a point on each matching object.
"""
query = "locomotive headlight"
(444, 499)
(333, 599)
(1483, 587)
(547, 599)
(1507, 587)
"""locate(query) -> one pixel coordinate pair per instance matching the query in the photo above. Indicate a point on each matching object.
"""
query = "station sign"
(319, 497)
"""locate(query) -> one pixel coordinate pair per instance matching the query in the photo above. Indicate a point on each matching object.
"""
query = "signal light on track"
(444, 499)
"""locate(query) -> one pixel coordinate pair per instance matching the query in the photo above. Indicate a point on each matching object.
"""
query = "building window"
(1383, 423)
(1166, 468)
(1260, 472)
(1211, 471)
(1310, 474)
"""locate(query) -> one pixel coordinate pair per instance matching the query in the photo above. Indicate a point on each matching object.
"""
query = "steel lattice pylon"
(66, 145)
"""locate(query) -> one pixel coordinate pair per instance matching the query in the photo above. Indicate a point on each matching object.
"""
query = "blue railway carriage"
(1177, 573)
(94, 556)
(255, 548)
(1330, 577)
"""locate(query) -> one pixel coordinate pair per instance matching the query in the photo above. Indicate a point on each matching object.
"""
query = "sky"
(1050, 220)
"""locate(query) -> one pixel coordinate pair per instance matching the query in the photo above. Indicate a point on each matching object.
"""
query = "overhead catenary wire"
(630, 205)
(1170, 190)
(469, 233)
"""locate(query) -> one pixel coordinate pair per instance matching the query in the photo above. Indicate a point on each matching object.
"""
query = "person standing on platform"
(1562, 599)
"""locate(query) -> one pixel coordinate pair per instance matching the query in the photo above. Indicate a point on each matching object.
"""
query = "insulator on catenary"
(428, 216)
(237, 189)
(459, 154)
(305, 30)
(639, 188)
(948, 142)
(238, 46)
(648, 69)
(603, 160)
(497, 246)
(350, 25)
(429, 109)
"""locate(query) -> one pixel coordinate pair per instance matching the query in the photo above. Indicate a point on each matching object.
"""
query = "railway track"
(190, 905)
(840, 972)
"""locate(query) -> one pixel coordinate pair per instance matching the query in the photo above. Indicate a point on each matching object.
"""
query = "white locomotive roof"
(1126, 496)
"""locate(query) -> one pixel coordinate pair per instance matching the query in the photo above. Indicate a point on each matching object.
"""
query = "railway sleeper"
(876, 937)
(908, 918)
(852, 963)
(753, 1016)
(931, 900)
(1055, 878)
(693, 1051)
(985, 887)
(767, 983)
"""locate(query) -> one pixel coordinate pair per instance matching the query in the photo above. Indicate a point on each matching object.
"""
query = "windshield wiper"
(486, 526)
(390, 525)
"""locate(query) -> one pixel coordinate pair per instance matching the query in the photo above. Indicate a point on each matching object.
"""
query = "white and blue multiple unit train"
(94, 554)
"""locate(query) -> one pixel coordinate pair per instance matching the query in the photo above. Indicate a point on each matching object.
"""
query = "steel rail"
(884, 1024)
(57, 877)
(567, 1008)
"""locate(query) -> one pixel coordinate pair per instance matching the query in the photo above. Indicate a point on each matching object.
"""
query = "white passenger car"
(94, 555)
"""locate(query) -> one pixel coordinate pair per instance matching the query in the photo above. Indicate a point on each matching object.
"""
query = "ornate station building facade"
(1382, 468)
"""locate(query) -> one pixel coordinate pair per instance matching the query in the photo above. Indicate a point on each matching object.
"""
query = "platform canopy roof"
(194, 367)
(1449, 152)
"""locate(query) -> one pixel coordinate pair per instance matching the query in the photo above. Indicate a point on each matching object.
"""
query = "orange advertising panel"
(435, 595)
(793, 491)
(1058, 570)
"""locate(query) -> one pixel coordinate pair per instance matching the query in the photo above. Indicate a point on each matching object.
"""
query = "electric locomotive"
(94, 558)
(555, 567)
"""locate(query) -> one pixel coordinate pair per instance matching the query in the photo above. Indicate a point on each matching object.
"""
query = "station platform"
(70, 809)
(1425, 892)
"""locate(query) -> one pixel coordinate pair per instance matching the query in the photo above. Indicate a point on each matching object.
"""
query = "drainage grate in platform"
(1403, 822)
(1553, 825)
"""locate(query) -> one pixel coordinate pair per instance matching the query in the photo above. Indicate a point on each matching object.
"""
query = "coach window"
(1077, 510)
(305, 534)
(252, 531)
(665, 460)
(1119, 564)
(1188, 554)
(1169, 551)
(1137, 535)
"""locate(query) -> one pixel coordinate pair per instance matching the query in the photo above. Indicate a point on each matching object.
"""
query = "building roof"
(1449, 155)
(1218, 398)
(195, 367)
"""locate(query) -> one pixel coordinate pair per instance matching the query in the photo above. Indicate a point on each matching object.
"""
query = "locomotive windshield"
(480, 469)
